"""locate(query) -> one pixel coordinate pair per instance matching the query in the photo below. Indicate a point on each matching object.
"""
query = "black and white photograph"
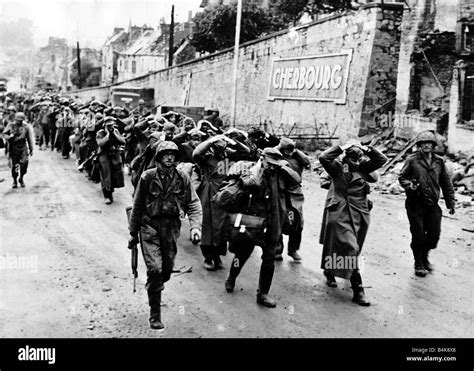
(238, 169)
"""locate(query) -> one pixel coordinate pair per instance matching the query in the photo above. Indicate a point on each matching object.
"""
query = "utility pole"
(171, 41)
(236, 63)
(79, 84)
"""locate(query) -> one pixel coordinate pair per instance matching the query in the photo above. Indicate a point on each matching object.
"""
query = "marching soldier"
(346, 216)
(109, 141)
(212, 158)
(422, 176)
(20, 139)
(265, 188)
(162, 195)
(297, 161)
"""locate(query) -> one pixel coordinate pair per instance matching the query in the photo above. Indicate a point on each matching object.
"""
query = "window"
(468, 37)
(134, 66)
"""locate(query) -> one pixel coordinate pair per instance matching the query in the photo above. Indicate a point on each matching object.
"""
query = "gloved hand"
(451, 211)
(133, 240)
(195, 236)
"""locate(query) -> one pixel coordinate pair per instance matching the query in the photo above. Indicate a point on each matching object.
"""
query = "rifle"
(87, 161)
(134, 250)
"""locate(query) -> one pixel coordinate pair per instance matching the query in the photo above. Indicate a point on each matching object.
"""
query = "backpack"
(229, 196)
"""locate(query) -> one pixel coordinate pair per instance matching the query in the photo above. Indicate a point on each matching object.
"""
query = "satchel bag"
(247, 226)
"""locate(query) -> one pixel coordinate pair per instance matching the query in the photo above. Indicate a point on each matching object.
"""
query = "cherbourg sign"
(319, 77)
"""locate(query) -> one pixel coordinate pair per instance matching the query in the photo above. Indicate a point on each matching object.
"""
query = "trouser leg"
(279, 246)
(45, 137)
(417, 229)
(243, 248)
(159, 251)
(207, 252)
(432, 223)
(23, 169)
(15, 169)
(267, 268)
(294, 240)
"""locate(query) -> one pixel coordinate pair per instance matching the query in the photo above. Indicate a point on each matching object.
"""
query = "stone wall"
(371, 79)
(101, 93)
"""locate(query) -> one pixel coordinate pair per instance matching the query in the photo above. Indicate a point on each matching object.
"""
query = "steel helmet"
(20, 116)
(167, 145)
(11, 107)
(426, 136)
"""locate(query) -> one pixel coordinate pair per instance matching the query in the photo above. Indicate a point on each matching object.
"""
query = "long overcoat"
(346, 215)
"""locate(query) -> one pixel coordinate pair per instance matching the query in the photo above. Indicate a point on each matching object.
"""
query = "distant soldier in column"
(163, 194)
(422, 176)
(214, 119)
(20, 138)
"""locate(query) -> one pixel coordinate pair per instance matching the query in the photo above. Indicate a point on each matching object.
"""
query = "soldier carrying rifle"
(163, 194)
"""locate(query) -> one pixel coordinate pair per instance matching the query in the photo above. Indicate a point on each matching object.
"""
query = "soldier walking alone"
(20, 139)
(422, 176)
(162, 195)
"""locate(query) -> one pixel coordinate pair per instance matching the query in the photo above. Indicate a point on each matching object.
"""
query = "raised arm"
(327, 159)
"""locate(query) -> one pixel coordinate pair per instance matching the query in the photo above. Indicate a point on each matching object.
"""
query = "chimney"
(190, 16)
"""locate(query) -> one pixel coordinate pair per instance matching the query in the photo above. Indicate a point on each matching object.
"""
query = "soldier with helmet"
(20, 138)
(163, 194)
(422, 176)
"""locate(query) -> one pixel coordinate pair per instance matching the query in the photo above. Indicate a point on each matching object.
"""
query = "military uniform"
(346, 216)
(110, 160)
(20, 145)
(268, 200)
(161, 197)
(424, 213)
(213, 171)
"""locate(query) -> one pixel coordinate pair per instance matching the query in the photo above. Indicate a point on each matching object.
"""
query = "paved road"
(65, 272)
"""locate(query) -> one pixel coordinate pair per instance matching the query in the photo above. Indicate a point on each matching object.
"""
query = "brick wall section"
(211, 81)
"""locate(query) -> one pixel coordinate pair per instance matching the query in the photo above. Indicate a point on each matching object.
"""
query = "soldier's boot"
(357, 288)
(330, 279)
(218, 262)
(265, 300)
(15, 184)
(20, 180)
(426, 263)
(155, 314)
(420, 270)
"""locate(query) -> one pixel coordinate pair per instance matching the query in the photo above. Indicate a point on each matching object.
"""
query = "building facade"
(149, 52)
(112, 47)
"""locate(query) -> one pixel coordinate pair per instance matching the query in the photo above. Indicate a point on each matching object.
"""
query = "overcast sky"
(91, 22)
